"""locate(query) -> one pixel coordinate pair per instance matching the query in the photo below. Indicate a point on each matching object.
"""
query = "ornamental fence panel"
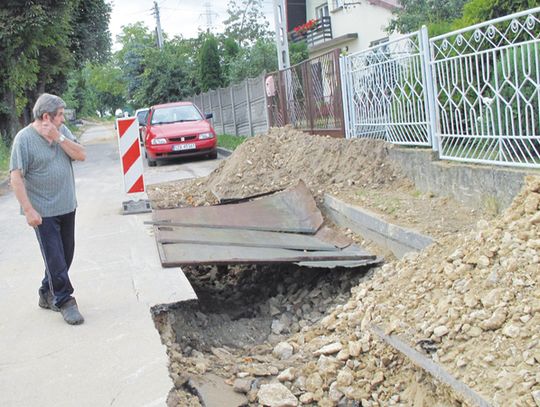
(386, 92)
(487, 88)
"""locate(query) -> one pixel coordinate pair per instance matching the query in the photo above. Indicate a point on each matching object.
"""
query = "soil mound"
(358, 171)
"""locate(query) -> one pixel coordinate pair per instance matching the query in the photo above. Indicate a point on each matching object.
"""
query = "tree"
(38, 46)
(166, 76)
(415, 13)
(137, 42)
(476, 11)
(262, 56)
(210, 65)
(246, 22)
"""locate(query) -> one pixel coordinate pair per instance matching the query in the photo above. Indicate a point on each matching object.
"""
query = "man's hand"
(32, 217)
(48, 130)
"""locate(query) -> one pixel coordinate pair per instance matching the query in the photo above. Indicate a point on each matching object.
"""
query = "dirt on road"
(295, 336)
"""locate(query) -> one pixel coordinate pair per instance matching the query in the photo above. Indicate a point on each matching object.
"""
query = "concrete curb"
(224, 152)
(397, 239)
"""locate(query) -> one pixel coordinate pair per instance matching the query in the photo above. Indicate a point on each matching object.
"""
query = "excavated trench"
(241, 308)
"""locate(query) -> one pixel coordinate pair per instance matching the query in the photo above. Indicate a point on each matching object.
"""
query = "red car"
(178, 129)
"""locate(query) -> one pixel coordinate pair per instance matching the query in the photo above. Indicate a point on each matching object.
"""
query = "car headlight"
(158, 141)
(204, 136)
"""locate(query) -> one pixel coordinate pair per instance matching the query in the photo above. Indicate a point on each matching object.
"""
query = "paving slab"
(116, 357)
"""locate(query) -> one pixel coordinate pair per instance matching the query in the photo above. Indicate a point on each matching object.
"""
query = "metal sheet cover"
(180, 254)
(293, 210)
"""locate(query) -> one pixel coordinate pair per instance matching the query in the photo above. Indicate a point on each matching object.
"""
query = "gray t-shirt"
(47, 172)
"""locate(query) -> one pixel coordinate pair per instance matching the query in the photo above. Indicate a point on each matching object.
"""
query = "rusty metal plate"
(293, 210)
(180, 254)
(242, 237)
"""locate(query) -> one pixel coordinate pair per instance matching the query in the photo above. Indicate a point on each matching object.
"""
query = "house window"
(337, 4)
(322, 11)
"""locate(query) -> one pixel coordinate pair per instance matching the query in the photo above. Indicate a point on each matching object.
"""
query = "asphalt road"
(116, 357)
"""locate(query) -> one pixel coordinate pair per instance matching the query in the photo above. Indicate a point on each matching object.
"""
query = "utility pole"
(282, 43)
(158, 26)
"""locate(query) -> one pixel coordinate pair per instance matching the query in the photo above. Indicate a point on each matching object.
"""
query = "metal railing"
(472, 94)
(487, 90)
(321, 32)
(308, 96)
(386, 92)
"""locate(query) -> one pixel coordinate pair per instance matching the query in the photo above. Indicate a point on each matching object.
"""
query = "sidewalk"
(116, 357)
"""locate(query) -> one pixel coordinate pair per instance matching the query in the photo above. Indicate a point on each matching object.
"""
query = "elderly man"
(43, 181)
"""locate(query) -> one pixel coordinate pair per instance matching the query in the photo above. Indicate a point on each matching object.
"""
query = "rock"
(440, 331)
(483, 261)
(531, 203)
(378, 378)
(276, 395)
(277, 326)
(511, 331)
(306, 398)
(355, 347)
(258, 369)
(283, 350)
(492, 298)
(536, 397)
(287, 375)
(329, 349)
(333, 393)
(242, 385)
(314, 382)
(495, 321)
(327, 365)
(344, 377)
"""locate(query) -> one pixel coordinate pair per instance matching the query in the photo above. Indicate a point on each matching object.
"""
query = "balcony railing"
(320, 32)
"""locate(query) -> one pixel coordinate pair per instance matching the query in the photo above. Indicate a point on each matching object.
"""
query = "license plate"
(181, 147)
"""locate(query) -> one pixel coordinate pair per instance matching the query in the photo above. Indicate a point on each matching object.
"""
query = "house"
(352, 25)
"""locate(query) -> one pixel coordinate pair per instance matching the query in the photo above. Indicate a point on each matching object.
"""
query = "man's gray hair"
(47, 103)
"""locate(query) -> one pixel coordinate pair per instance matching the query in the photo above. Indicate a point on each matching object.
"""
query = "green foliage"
(246, 22)
(209, 65)
(250, 62)
(230, 142)
(4, 158)
(41, 41)
(137, 43)
(415, 13)
(298, 52)
(477, 11)
(166, 76)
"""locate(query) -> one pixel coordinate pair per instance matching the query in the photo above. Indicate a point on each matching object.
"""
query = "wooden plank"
(432, 368)
(293, 210)
(179, 254)
(240, 237)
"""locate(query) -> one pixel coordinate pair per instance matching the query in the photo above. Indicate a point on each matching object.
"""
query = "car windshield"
(173, 114)
(141, 116)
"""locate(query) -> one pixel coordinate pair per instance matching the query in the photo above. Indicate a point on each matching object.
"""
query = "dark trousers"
(56, 237)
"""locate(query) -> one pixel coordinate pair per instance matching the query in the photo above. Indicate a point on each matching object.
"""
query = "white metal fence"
(239, 109)
(385, 92)
(472, 94)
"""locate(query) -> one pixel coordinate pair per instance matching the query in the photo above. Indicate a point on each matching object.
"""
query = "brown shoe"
(71, 313)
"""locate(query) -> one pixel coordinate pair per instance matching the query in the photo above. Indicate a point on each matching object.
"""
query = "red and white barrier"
(130, 153)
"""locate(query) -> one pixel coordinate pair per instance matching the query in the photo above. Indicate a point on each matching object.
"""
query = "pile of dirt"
(357, 171)
(471, 302)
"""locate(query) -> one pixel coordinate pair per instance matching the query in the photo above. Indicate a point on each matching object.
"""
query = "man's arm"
(75, 150)
(17, 183)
